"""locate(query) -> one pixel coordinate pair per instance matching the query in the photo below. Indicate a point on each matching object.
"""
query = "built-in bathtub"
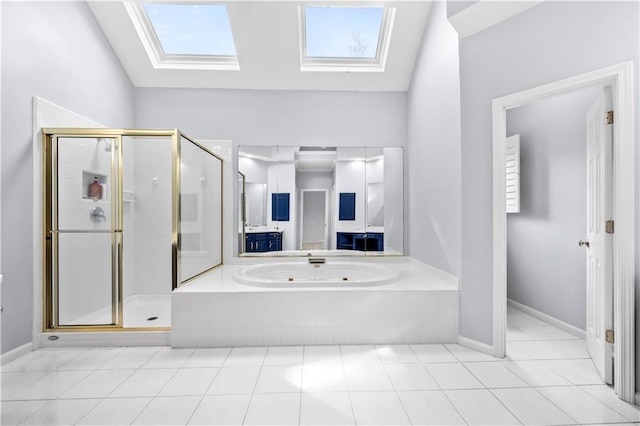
(315, 273)
(255, 304)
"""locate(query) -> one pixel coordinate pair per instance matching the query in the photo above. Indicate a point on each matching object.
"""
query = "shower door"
(83, 234)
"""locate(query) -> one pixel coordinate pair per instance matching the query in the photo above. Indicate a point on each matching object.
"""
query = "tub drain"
(152, 318)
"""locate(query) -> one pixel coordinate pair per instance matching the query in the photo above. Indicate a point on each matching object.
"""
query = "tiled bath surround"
(421, 307)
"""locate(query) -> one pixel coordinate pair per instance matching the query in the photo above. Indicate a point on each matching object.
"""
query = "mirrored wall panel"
(321, 200)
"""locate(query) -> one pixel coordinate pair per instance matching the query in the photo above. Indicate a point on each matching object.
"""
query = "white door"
(599, 242)
(314, 220)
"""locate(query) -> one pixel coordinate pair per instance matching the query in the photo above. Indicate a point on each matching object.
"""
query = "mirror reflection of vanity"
(320, 200)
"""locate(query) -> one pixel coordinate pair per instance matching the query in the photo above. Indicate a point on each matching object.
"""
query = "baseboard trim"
(571, 329)
(475, 345)
(106, 338)
(16, 353)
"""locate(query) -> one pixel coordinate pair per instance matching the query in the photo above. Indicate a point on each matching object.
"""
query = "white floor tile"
(554, 349)
(468, 355)
(209, 357)
(577, 371)
(318, 377)
(397, 354)
(580, 405)
(607, 396)
(48, 359)
(280, 378)
(189, 382)
(62, 412)
(15, 412)
(168, 358)
(98, 384)
(536, 373)
(91, 359)
(406, 377)
(359, 354)
(274, 409)
(433, 353)
(429, 408)
(495, 375)
(453, 376)
(234, 380)
(323, 354)
(50, 386)
(130, 358)
(480, 407)
(115, 411)
(367, 377)
(221, 410)
(326, 408)
(531, 407)
(13, 381)
(246, 357)
(173, 410)
(378, 408)
(515, 354)
(143, 383)
(285, 355)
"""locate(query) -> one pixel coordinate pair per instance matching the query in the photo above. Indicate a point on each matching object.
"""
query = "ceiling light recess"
(344, 38)
(194, 35)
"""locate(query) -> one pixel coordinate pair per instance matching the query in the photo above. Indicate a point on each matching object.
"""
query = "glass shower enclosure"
(129, 216)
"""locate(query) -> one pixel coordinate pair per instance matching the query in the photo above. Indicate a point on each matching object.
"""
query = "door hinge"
(609, 337)
(608, 118)
(608, 227)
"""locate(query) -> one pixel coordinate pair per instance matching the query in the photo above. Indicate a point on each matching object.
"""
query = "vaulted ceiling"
(268, 45)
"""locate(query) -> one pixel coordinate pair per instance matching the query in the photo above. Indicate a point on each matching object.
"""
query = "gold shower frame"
(50, 315)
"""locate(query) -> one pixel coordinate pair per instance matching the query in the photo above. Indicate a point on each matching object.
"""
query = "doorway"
(313, 223)
(619, 77)
(547, 205)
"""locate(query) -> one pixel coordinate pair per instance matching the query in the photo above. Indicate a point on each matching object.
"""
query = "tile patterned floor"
(547, 379)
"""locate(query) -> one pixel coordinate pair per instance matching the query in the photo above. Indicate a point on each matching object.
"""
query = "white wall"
(57, 51)
(282, 179)
(433, 157)
(548, 42)
(546, 270)
(277, 118)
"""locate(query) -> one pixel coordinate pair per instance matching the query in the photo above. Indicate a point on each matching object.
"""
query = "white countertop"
(261, 229)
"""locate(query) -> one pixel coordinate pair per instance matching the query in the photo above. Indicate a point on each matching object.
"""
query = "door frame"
(620, 78)
(326, 214)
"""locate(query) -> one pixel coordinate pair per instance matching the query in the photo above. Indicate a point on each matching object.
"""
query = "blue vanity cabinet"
(260, 242)
(369, 241)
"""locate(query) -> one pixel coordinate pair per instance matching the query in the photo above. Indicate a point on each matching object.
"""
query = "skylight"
(192, 29)
(343, 32)
(185, 35)
(344, 38)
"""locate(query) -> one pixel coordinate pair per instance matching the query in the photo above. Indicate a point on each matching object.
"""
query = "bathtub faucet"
(314, 260)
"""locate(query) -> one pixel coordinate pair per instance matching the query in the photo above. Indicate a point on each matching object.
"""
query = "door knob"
(583, 243)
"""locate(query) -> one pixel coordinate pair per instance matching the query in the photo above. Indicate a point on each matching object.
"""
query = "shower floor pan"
(138, 312)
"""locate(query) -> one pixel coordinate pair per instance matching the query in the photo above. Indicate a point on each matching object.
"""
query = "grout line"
(346, 383)
(244, 419)
(301, 382)
(210, 384)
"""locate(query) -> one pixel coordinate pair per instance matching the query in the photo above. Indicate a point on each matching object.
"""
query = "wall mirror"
(297, 201)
